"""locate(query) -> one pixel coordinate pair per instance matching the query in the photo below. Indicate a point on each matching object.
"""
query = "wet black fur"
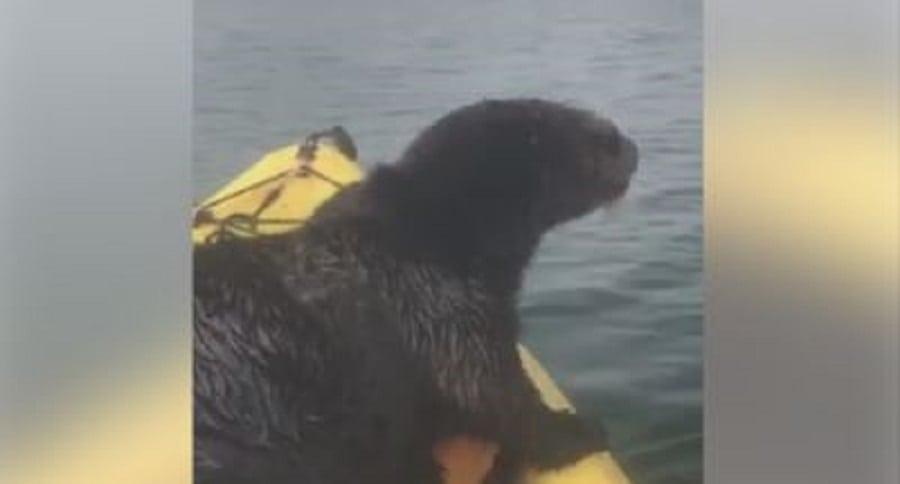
(341, 352)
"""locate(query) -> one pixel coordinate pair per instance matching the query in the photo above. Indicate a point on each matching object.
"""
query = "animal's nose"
(612, 142)
(628, 152)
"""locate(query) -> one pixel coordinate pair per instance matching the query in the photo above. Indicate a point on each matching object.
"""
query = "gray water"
(613, 302)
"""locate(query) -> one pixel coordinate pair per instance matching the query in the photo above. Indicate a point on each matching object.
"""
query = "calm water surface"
(613, 302)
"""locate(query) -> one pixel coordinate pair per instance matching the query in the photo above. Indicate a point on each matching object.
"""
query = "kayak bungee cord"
(237, 225)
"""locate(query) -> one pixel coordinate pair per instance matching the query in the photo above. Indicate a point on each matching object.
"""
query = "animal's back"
(293, 381)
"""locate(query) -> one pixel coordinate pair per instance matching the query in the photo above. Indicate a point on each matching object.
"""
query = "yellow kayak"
(279, 192)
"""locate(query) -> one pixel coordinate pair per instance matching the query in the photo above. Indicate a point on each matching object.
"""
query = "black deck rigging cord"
(234, 225)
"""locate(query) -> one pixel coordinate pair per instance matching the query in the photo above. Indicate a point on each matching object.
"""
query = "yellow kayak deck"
(280, 191)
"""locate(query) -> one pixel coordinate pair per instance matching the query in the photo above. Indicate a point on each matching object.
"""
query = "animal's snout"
(610, 141)
(618, 150)
(628, 153)
(606, 136)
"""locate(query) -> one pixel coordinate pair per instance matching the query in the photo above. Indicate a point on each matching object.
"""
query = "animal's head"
(527, 160)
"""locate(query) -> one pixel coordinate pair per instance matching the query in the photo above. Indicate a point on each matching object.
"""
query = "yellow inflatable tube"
(278, 193)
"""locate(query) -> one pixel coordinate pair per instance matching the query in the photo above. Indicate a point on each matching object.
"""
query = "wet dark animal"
(341, 352)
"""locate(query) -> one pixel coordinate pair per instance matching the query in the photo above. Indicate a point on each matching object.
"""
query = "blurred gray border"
(96, 119)
(97, 148)
(801, 355)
